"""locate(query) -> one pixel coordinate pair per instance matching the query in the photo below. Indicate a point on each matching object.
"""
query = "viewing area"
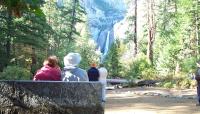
(42, 97)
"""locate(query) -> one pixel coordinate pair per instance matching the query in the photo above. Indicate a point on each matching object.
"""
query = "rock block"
(31, 97)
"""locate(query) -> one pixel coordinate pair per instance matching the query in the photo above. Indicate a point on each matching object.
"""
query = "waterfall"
(106, 46)
(102, 16)
(60, 3)
(107, 43)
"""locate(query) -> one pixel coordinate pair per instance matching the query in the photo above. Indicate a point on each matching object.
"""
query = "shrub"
(167, 78)
(134, 71)
(168, 85)
(141, 69)
(183, 82)
(179, 81)
(88, 54)
(15, 73)
(193, 84)
(189, 64)
(149, 74)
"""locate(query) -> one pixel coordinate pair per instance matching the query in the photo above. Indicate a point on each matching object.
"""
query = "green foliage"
(168, 85)
(89, 54)
(166, 61)
(112, 61)
(25, 32)
(176, 41)
(189, 65)
(24, 26)
(184, 82)
(149, 74)
(179, 81)
(64, 35)
(141, 69)
(29, 31)
(3, 59)
(136, 67)
(41, 56)
(15, 73)
(18, 6)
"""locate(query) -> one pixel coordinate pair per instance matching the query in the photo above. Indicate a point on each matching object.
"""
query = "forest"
(160, 40)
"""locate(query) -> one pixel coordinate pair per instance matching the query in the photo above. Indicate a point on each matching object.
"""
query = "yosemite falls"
(102, 16)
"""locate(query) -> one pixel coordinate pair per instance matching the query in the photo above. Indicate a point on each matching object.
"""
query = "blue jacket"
(74, 74)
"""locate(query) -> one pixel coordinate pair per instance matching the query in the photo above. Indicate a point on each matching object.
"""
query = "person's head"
(72, 59)
(51, 61)
(93, 65)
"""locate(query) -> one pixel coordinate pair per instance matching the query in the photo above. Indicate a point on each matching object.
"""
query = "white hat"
(72, 59)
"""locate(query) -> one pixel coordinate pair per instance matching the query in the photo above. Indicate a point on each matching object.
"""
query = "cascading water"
(106, 47)
(60, 3)
(107, 42)
(102, 16)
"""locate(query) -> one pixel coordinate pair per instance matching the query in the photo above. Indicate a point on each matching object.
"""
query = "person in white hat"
(71, 71)
(103, 73)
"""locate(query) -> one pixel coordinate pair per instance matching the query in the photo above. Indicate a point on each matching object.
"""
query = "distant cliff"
(103, 15)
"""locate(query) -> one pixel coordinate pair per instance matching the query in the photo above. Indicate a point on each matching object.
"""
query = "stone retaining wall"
(28, 97)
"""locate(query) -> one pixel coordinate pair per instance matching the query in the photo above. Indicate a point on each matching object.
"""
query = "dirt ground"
(124, 101)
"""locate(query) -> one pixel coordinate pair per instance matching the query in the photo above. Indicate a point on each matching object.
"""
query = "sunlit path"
(139, 104)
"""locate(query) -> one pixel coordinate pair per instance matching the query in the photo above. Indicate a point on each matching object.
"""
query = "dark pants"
(198, 92)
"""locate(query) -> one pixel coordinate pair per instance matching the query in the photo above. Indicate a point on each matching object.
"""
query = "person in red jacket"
(50, 70)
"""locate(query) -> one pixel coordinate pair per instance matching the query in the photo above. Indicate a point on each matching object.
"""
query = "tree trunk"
(197, 28)
(176, 8)
(151, 30)
(49, 35)
(33, 63)
(177, 69)
(135, 30)
(9, 34)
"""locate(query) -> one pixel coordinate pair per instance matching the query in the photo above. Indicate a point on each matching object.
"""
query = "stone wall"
(29, 97)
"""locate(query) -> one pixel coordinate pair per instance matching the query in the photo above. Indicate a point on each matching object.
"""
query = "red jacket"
(48, 73)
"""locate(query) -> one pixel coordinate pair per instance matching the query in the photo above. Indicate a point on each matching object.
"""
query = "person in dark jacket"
(93, 73)
(197, 77)
(50, 70)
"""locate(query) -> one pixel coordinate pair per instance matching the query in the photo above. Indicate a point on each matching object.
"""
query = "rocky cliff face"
(102, 16)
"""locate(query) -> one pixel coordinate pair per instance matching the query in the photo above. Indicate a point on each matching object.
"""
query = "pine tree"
(151, 30)
(112, 61)
(9, 12)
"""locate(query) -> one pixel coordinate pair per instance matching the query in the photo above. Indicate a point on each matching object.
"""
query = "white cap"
(72, 59)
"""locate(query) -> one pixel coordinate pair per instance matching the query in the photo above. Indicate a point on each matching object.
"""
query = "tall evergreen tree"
(151, 29)
(10, 11)
(135, 31)
(113, 60)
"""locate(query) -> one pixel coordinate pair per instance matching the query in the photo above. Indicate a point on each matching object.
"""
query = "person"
(50, 70)
(71, 71)
(197, 77)
(103, 73)
(93, 73)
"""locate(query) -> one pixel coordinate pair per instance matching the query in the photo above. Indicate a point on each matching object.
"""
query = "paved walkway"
(151, 101)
